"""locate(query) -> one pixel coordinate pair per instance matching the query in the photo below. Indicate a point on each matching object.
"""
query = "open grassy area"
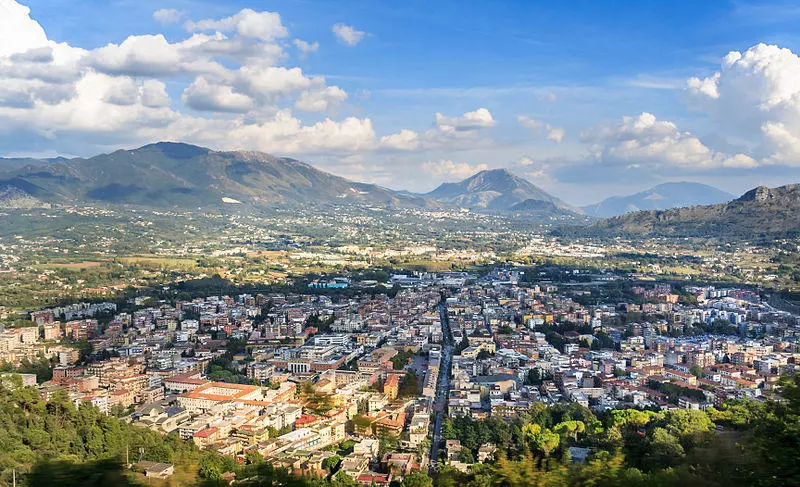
(168, 262)
(74, 266)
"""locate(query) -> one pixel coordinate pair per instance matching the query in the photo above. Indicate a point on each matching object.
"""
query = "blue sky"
(586, 99)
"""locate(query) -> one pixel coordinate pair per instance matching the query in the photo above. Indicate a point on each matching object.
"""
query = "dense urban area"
(260, 354)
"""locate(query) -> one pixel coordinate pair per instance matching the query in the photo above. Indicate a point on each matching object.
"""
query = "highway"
(442, 389)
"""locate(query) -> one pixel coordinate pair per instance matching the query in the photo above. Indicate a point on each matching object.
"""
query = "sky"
(586, 99)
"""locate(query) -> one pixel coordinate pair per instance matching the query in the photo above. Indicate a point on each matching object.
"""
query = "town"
(368, 385)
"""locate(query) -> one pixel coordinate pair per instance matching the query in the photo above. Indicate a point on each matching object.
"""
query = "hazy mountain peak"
(493, 189)
(661, 197)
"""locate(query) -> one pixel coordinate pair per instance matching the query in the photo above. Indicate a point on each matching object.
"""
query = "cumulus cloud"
(145, 55)
(405, 140)
(480, 118)
(555, 134)
(449, 170)
(756, 94)
(167, 15)
(462, 132)
(320, 100)
(266, 26)
(645, 140)
(347, 34)
(205, 95)
(18, 32)
(305, 47)
(116, 94)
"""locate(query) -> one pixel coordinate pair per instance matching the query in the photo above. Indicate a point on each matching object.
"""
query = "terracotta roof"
(206, 432)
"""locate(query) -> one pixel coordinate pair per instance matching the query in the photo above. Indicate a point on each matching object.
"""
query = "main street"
(442, 389)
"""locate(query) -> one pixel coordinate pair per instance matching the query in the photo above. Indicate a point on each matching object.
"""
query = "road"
(442, 389)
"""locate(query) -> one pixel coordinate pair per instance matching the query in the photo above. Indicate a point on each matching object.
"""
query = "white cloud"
(756, 94)
(461, 133)
(167, 15)
(115, 94)
(285, 134)
(531, 168)
(266, 26)
(305, 47)
(347, 34)
(18, 32)
(480, 118)
(154, 93)
(555, 134)
(644, 140)
(271, 82)
(145, 55)
(320, 100)
(405, 140)
(205, 95)
(449, 170)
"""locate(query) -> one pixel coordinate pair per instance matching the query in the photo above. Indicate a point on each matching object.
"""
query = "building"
(392, 386)
(210, 394)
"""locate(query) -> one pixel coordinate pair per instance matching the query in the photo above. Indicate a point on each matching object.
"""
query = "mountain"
(14, 163)
(13, 197)
(495, 189)
(761, 212)
(662, 197)
(168, 174)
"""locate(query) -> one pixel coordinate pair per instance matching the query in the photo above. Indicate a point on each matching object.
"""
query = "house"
(354, 465)
(371, 478)
(155, 469)
(485, 452)
(392, 386)
(400, 463)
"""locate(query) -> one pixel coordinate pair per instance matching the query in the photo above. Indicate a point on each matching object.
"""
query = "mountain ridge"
(760, 212)
(167, 174)
(492, 189)
(664, 196)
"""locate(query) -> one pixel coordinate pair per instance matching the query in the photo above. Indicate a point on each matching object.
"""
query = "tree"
(253, 458)
(541, 439)
(662, 449)
(331, 463)
(546, 442)
(402, 358)
(506, 330)
(690, 426)
(341, 479)
(417, 479)
(534, 377)
(570, 429)
(696, 371)
(409, 385)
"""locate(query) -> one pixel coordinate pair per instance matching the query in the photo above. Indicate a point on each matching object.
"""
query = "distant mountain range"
(495, 189)
(662, 197)
(176, 175)
(168, 174)
(761, 212)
